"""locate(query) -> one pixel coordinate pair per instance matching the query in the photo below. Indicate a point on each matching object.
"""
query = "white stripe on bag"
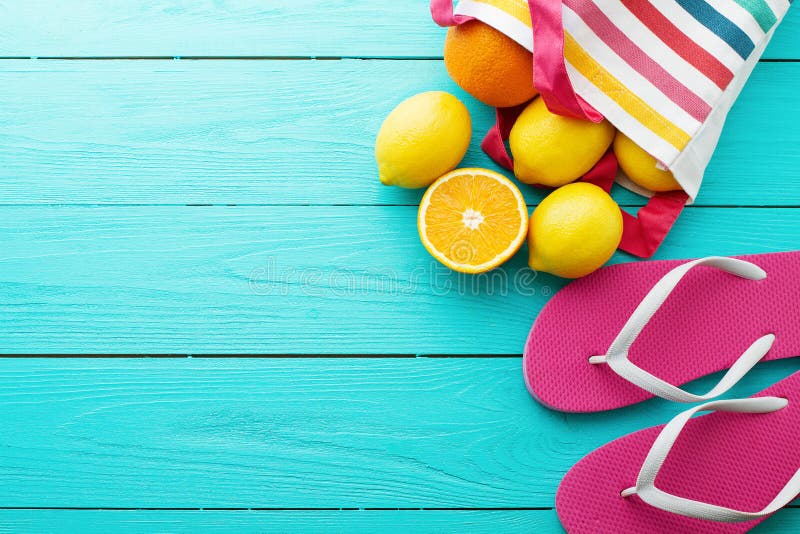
(698, 33)
(498, 19)
(651, 142)
(627, 75)
(654, 47)
(741, 17)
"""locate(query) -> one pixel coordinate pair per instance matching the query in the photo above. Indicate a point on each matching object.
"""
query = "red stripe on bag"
(679, 42)
(638, 60)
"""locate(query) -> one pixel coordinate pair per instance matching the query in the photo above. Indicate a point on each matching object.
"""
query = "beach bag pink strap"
(602, 174)
(641, 235)
(549, 68)
(442, 13)
(666, 77)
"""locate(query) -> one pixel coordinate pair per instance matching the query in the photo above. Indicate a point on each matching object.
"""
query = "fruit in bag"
(552, 150)
(641, 167)
(487, 64)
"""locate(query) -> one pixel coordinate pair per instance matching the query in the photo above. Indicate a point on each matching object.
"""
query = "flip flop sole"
(740, 461)
(711, 318)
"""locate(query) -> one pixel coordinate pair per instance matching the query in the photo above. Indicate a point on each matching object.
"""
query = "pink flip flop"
(719, 473)
(620, 335)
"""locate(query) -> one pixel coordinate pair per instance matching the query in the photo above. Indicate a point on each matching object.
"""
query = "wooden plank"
(308, 432)
(248, 132)
(283, 279)
(242, 28)
(346, 521)
(401, 522)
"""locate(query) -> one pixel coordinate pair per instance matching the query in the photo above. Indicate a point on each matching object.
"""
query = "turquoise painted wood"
(286, 522)
(356, 28)
(400, 522)
(307, 432)
(291, 132)
(274, 280)
(302, 253)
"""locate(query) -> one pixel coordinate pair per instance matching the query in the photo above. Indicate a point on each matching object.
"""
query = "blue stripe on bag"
(717, 23)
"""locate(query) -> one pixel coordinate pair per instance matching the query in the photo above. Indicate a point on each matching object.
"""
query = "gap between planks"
(269, 58)
(334, 205)
(295, 509)
(258, 356)
(229, 58)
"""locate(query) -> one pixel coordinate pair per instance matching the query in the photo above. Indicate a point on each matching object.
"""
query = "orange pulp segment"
(472, 220)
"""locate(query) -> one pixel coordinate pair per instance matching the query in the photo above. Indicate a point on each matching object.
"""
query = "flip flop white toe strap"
(645, 482)
(617, 355)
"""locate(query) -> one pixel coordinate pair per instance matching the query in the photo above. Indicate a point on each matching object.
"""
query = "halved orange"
(472, 220)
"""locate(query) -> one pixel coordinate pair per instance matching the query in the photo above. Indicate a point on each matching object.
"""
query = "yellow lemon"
(424, 137)
(472, 220)
(640, 166)
(574, 231)
(552, 150)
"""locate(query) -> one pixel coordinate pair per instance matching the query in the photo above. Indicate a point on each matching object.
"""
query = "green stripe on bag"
(761, 12)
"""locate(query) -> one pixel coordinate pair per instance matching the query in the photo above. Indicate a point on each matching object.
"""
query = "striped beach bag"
(664, 72)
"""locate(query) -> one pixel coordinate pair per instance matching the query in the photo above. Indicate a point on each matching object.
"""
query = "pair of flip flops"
(631, 332)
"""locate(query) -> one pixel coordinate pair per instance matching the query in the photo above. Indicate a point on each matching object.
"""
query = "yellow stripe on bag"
(624, 97)
(516, 8)
(603, 79)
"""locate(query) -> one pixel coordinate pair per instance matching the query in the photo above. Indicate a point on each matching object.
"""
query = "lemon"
(640, 166)
(574, 231)
(552, 150)
(423, 138)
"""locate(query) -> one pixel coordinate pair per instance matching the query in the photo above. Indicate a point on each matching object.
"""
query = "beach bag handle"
(643, 234)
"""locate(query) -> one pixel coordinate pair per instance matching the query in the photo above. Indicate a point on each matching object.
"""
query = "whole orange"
(489, 65)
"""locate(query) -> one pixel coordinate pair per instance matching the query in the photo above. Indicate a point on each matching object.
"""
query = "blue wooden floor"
(215, 318)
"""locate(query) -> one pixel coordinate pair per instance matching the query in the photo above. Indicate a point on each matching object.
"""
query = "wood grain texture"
(309, 432)
(272, 280)
(241, 28)
(282, 276)
(347, 521)
(287, 522)
(401, 522)
(292, 132)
